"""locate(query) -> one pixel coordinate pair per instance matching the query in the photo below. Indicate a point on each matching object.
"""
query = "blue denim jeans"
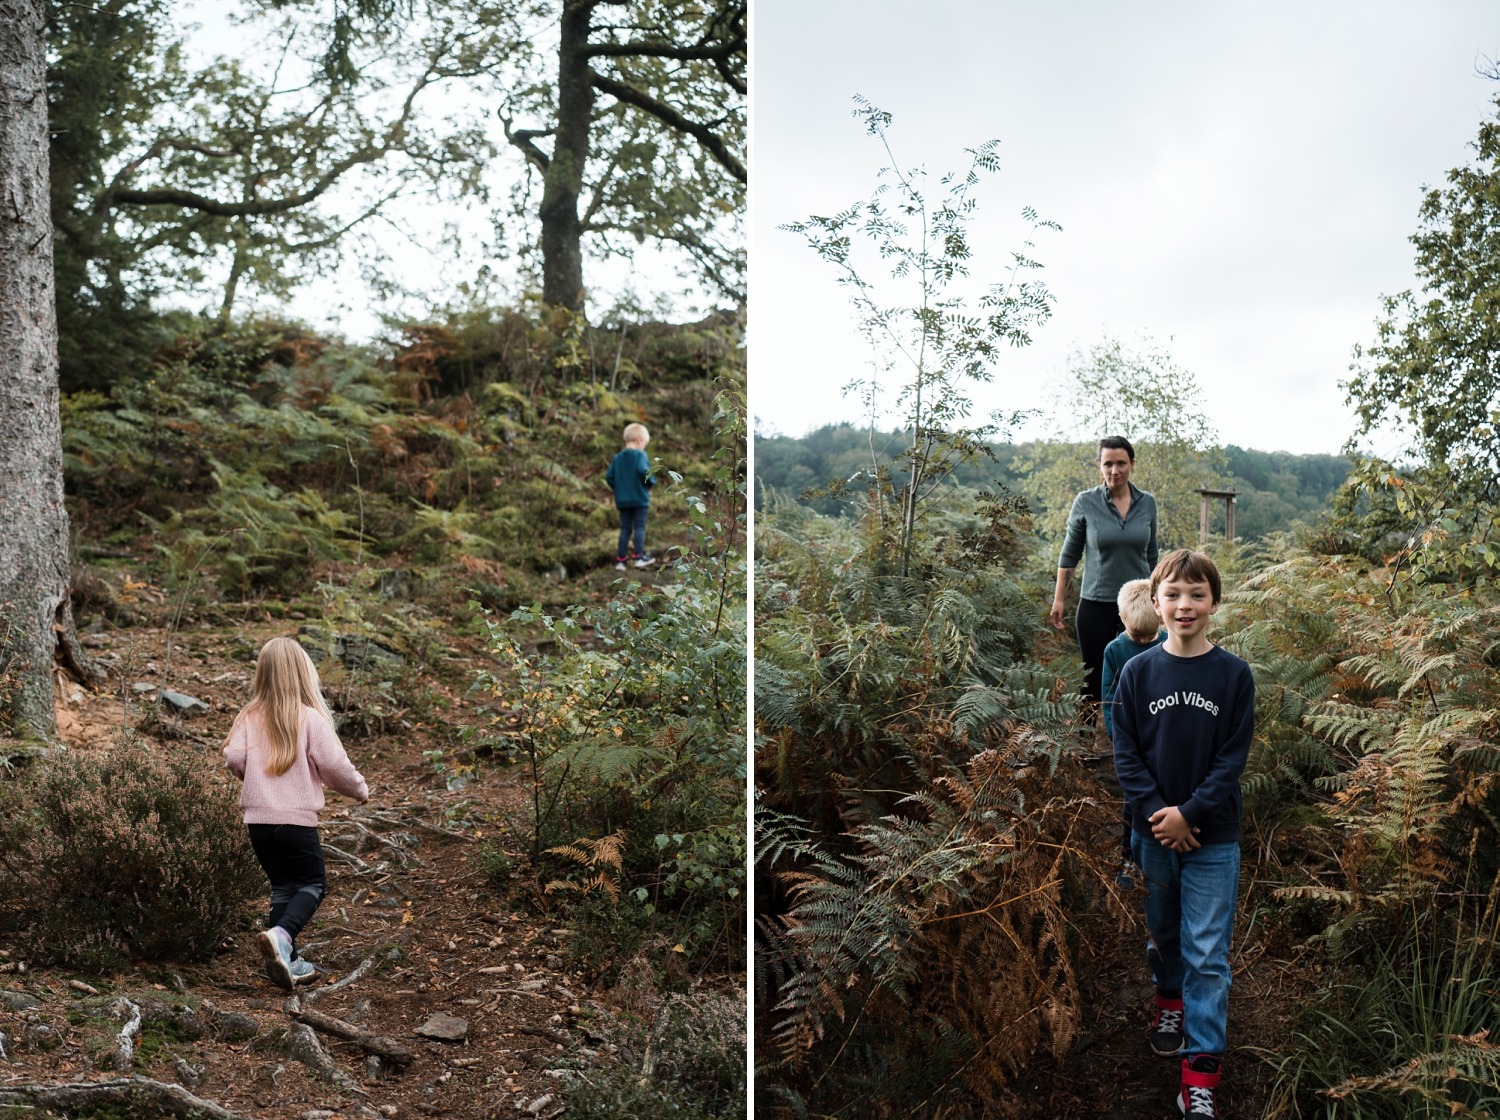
(632, 524)
(1190, 902)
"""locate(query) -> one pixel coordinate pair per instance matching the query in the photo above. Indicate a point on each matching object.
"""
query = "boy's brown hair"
(1189, 565)
(1136, 611)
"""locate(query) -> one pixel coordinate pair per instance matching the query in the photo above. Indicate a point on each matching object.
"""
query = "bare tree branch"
(523, 138)
(672, 118)
(724, 50)
(734, 81)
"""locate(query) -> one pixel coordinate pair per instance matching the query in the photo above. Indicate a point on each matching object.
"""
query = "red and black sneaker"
(1166, 1025)
(1200, 1086)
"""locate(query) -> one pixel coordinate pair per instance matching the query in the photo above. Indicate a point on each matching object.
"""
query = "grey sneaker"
(303, 970)
(620, 566)
(644, 561)
(276, 947)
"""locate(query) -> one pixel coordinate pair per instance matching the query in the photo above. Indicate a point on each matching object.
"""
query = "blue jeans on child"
(1190, 903)
(632, 525)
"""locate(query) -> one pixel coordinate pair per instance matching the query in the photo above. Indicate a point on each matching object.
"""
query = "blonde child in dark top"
(284, 747)
(1142, 632)
(630, 478)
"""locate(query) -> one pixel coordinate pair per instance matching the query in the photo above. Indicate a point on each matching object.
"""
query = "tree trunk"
(33, 521)
(562, 252)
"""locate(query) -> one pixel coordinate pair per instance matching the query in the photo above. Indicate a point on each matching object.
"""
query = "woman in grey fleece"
(1112, 529)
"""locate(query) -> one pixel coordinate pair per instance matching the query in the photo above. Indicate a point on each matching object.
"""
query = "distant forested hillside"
(1275, 488)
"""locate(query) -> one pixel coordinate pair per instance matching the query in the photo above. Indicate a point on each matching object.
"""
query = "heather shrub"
(132, 852)
(684, 1058)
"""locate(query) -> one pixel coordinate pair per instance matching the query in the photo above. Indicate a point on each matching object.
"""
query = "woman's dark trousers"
(1098, 625)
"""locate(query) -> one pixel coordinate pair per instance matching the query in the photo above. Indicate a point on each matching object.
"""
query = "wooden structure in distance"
(1204, 509)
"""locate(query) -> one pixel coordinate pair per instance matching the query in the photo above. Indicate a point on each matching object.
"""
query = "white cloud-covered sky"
(1236, 182)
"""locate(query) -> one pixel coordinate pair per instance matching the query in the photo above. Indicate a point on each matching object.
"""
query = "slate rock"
(186, 1025)
(230, 1026)
(40, 1036)
(18, 1001)
(445, 1028)
(155, 1011)
(182, 701)
(356, 652)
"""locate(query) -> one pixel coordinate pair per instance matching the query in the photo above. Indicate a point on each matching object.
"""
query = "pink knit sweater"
(296, 796)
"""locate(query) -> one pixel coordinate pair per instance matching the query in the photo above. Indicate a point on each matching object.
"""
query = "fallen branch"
(387, 1048)
(163, 1097)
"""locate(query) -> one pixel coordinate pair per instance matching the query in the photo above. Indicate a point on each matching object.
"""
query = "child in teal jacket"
(630, 477)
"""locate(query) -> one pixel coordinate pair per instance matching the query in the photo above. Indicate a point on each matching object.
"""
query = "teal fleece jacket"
(629, 476)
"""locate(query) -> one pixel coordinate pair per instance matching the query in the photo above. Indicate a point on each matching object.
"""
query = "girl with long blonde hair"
(285, 749)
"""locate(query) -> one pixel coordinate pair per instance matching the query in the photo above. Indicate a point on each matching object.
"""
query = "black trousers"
(292, 859)
(1098, 625)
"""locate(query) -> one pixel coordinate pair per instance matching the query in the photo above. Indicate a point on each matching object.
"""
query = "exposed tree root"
(409, 822)
(303, 1045)
(360, 866)
(163, 1098)
(125, 1042)
(544, 1032)
(366, 833)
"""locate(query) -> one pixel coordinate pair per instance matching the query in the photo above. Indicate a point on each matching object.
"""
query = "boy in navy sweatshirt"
(1184, 716)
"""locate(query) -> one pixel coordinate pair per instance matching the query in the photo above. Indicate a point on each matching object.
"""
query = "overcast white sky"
(1236, 180)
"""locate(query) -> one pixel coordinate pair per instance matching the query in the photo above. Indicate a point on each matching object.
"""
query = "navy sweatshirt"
(1182, 731)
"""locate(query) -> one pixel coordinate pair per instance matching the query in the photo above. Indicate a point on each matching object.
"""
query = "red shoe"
(1166, 1025)
(1200, 1086)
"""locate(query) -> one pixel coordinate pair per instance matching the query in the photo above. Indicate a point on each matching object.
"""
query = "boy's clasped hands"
(1172, 830)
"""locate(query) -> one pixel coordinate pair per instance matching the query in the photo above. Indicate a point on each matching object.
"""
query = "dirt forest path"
(1111, 1073)
(452, 1002)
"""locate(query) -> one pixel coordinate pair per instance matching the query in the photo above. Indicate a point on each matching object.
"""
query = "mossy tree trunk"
(34, 600)
(562, 252)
